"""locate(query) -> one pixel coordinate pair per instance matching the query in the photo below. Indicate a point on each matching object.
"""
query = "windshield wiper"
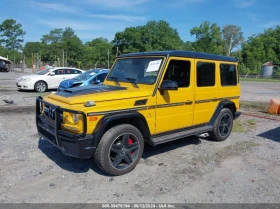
(116, 79)
(132, 80)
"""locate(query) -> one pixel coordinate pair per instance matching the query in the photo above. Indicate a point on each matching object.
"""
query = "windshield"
(138, 70)
(44, 72)
(86, 75)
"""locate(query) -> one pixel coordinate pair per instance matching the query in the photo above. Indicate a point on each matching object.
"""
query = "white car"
(49, 78)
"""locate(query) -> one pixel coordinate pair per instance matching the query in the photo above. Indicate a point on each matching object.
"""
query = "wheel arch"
(133, 118)
(41, 81)
(223, 104)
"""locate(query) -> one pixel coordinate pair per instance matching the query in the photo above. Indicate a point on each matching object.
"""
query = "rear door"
(71, 73)
(206, 90)
(229, 83)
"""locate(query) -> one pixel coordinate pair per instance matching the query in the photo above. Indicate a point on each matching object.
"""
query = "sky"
(103, 18)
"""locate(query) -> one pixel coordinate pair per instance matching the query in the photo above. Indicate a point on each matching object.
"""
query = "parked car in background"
(49, 78)
(3, 66)
(96, 76)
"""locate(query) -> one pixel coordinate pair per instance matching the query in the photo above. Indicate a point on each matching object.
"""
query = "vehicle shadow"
(273, 134)
(150, 151)
(65, 162)
(33, 91)
(75, 165)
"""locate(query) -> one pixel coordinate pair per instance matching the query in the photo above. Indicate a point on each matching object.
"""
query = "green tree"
(261, 48)
(233, 37)
(12, 34)
(96, 53)
(188, 46)
(208, 38)
(72, 47)
(32, 47)
(52, 44)
(153, 36)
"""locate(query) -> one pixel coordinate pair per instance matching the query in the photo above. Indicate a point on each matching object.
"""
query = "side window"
(205, 72)
(101, 77)
(59, 72)
(72, 71)
(179, 71)
(228, 75)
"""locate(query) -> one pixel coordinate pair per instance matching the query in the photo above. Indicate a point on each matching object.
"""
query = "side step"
(160, 139)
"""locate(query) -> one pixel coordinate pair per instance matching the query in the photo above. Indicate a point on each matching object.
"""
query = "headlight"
(26, 79)
(75, 118)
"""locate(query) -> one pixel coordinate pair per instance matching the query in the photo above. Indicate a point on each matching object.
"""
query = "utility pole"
(117, 51)
(23, 60)
(14, 62)
(108, 59)
(62, 57)
(66, 59)
(32, 63)
(95, 65)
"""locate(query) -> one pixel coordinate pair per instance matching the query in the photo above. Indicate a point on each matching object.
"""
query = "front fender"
(131, 117)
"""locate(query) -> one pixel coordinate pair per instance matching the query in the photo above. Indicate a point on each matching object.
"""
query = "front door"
(175, 107)
(57, 78)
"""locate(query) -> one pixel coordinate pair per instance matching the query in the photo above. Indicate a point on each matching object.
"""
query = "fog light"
(75, 118)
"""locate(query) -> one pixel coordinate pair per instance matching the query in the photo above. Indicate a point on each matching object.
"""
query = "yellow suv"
(152, 97)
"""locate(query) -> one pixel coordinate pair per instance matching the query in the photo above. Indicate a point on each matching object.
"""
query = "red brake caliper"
(130, 142)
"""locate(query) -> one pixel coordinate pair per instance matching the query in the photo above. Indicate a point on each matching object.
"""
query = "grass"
(244, 126)
(260, 80)
(261, 106)
(6, 87)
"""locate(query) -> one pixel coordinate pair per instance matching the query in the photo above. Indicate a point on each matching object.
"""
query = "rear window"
(228, 75)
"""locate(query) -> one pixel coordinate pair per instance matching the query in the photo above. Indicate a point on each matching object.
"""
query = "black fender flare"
(224, 103)
(108, 120)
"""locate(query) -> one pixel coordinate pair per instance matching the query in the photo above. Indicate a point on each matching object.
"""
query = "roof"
(57, 68)
(5, 59)
(180, 53)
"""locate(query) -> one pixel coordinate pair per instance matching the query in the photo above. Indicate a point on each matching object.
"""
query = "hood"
(97, 93)
(30, 76)
(69, 83)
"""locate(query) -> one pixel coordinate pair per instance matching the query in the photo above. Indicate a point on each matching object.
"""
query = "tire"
(41, 86)
(222, 126)
(119, 150)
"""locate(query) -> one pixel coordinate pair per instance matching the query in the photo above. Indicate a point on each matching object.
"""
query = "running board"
(160, 139)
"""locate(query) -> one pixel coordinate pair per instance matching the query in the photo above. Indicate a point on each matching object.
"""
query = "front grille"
(48, 132)
(49, 111)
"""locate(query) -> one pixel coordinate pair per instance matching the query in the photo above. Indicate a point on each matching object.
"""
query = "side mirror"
(52, 74)
(168, 85)
(96, 82)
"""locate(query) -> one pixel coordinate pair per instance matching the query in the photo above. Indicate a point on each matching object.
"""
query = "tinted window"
(44, 72)
(179, 71)
(101, 77)
(59, 72)
(228, 75)
(72, 71)
(205, 72)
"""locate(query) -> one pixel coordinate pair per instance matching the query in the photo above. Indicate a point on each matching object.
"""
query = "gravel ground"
(259, 91)
(243, 169)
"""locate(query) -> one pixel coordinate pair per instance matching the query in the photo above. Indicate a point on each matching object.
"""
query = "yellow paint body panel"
(167, 111)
